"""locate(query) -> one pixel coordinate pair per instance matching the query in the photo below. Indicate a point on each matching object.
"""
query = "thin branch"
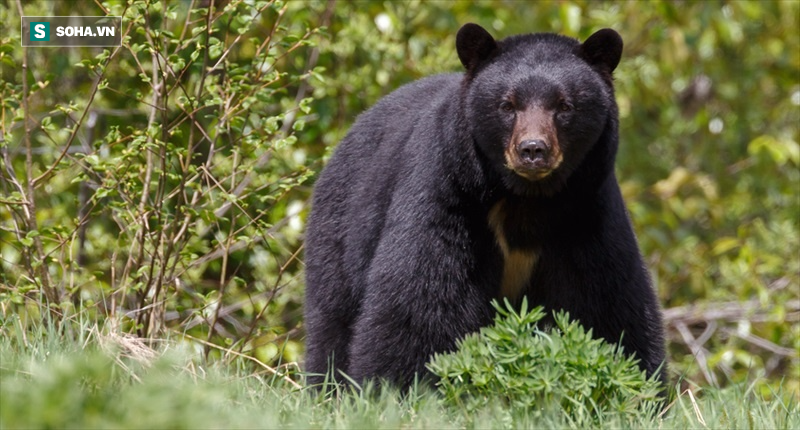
(751, 310)
(143, 212)
(51, 294)
(44, 176)
(269, 369)
(711, 314)
(699, 353)
(763, 343)
(289, 121)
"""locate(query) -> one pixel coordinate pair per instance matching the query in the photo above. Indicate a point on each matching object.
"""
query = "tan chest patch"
(518, 263)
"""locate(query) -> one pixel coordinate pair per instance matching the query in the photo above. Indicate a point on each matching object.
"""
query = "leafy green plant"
(528, 367)
(155, 183)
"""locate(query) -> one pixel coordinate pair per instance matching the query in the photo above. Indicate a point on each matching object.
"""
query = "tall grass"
(103, 379)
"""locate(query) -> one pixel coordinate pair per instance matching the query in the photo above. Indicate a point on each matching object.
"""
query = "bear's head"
(538, 103)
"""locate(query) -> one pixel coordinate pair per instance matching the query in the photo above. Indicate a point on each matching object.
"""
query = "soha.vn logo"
(99, 31)
(50, 31)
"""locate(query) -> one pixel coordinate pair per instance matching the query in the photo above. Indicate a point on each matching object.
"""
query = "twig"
(726, 311)
(74, 134)
(681, 318)
(698, 351)
(696, 409)
(763, 343)
(45, 283)
(269, 369)
(289, 121)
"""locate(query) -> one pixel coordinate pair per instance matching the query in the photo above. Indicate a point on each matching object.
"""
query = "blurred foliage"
(709, 96)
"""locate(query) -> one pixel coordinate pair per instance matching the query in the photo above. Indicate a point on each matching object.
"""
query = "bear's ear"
(474, 45)
(603, 49)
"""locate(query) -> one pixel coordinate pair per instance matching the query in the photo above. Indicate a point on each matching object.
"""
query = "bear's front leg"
(422, 297)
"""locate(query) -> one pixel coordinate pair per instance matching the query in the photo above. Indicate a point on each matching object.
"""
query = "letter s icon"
(40, 31)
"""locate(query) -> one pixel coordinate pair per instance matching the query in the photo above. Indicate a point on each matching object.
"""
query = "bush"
(155, 184)
(522, 364)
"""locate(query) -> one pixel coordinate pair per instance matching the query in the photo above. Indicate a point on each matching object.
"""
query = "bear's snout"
(534, 158)
(533, 150)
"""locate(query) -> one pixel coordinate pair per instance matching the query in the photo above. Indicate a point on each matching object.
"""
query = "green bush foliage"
(524, 365)
(160, 189)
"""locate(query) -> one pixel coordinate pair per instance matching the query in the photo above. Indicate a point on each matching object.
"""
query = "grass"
(105, 380)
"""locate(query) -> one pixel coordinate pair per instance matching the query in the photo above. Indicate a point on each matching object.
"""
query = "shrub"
(528, 367)
(158, 184)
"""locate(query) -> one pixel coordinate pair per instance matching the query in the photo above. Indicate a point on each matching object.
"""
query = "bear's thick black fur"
(458, 189)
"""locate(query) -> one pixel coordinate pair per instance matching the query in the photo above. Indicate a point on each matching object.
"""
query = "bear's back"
(385, 149)
(386, 128)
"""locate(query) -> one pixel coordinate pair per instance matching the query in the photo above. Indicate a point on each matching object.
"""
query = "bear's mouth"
(534, 170)
(533, 174)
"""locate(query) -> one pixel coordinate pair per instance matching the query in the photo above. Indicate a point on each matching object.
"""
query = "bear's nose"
(532, 150)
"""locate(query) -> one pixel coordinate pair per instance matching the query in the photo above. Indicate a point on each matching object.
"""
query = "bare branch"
(51, 294)
(751, 310)
(699, 353)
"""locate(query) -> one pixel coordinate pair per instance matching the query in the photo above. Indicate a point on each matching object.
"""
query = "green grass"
(105, 380)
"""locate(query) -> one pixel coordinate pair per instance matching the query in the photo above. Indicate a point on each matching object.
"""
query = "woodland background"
(158, 191)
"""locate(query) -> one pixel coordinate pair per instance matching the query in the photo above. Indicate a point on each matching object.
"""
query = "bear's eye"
(564, 106)
(507, 106)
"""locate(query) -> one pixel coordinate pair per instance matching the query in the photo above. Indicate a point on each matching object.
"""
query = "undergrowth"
(95, 377)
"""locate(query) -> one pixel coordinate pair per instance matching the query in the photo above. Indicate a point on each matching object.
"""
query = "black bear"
(462, 188)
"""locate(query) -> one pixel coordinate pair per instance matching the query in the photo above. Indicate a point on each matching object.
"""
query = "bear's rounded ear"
(603, 49)
(474, 45)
